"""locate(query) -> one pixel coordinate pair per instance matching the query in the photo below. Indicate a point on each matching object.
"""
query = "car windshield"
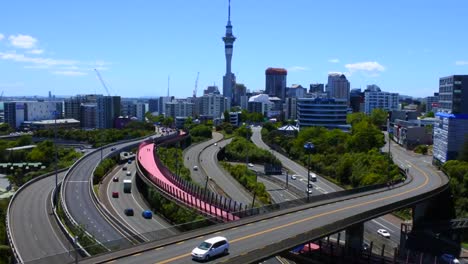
(204, 246)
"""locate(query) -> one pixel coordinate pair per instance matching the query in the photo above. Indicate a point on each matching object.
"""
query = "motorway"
(192, 158)
(324, 186)
(134, 200)
(272, 231)
(78, 197)
(32, 223)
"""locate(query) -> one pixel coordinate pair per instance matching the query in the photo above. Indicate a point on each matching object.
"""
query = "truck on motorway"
(127, 186)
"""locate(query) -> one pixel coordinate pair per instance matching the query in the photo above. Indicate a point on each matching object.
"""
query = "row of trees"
(173, 159)
(247, 178)
(240, 148)
(349, 158)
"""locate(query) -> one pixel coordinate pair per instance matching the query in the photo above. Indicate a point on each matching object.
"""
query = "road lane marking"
(426, 181)
(389, 229)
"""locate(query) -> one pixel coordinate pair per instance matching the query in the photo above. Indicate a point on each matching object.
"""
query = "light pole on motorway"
(255, 189)
(309, 147)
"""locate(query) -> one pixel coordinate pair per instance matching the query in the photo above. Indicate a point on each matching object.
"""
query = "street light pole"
(206, 185)
(56, 155)
(255, 188)
(308, 147)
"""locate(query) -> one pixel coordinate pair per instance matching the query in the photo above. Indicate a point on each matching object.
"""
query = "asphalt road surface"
(147, 227)
(32, 223)
(246, 238)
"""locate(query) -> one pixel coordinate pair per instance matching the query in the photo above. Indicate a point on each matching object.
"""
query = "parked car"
(128, 212)
(115, 194)
(294, 176)
(115, 179)
(147, 214)
(383, 233)
(211, 247)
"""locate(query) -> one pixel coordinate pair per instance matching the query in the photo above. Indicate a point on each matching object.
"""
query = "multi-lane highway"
(133, 200)
(268, 233)
(324, 186)
(32, 223)
(77, 195)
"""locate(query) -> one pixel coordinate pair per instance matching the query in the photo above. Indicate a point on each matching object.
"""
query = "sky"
(402, 46)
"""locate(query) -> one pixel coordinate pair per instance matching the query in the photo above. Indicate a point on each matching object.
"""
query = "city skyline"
(46, 47)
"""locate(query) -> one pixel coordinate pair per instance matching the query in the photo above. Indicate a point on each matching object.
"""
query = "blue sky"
(402, 46)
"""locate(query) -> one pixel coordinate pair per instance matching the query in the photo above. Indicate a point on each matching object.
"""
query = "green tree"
(356, 118)
(226, 116)
(378, 117)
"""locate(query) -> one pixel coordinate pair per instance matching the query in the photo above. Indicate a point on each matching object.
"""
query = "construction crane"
(102, 81)
(196, 85)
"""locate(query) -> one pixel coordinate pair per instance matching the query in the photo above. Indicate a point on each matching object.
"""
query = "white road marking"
(388, 229)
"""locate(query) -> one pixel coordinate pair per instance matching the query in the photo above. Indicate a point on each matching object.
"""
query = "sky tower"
(229, 79)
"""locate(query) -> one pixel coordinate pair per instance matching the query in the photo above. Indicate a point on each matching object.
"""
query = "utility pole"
(56, 156)
(254, 191)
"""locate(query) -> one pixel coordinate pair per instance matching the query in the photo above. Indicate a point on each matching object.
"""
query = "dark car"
(115, 179)
(147, 214)
(129, 161)
(128, 212)
(124, 168)
(115, 194)
(114, 148)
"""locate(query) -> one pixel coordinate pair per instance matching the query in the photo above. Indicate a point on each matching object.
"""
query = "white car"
(294, 176)
(216, 144)
(210, 248)
(195, 168)
(309, 190)
(250, 165)
(383, 233)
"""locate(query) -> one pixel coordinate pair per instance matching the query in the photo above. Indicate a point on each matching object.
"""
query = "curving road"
(32, 222)
(192, 158)
(78, 197)
(272, 231)
(209, 162)
(134, 200)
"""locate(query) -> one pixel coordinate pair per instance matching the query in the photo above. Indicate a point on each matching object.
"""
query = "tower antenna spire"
(229, 12)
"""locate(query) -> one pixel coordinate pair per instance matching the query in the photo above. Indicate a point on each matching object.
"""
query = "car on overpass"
(210, 248)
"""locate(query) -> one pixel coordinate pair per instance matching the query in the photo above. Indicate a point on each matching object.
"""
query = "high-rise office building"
(356, 100)
(275, 82)
(229, 78)
(88, 115)
(338, 86)
(432, 102)
(178, 108)
(153, 105)
(212, 105)
(162, 103)
(329, 113)
(18, 112)
(452, 114)
(296, 90)
(211, 90)
(377, 99)
(316, 88)
(239, 91)
(108, 108)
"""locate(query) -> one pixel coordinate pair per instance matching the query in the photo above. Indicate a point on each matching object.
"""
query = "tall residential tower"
(229, 79)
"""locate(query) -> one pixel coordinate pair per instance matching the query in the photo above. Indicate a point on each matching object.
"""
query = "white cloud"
(369, 67)
(22, 41)
(334, 60)
(460, 63)
(36, 51)
(297, 68)
(70, 73)
(38, 61)
(1, 36)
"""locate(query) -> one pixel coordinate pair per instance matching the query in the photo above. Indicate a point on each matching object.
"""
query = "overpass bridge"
(258, 237)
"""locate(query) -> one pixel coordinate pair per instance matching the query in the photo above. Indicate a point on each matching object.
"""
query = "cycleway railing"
(185, 192)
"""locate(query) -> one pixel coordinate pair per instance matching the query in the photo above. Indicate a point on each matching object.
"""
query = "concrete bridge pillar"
(355, 237)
